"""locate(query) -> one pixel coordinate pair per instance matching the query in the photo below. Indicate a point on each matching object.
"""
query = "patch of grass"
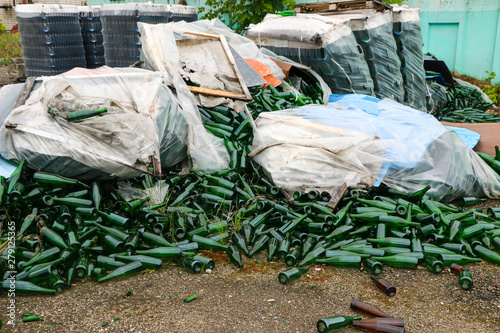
(10, 46)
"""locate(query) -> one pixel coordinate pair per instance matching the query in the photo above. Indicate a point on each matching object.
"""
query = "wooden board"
(218, 93)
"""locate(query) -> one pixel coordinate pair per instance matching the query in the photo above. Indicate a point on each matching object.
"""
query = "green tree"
(243, 12)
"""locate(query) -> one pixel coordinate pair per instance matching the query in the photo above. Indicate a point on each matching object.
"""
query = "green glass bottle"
(335, 323)
(470, 201)
(153, 239)
(82, 265)
(292, 274)
(261, 218)
(53, 237)
(465, 280)
(364, 250)
(247, 232)
(284, 247)
(58, 284)
(375, 267)
(487, 254)
(472, 231)
(73, 240)
(399, 260)
(26, 287)
(108, 262)
(433, 264)
(191, 264)
(185, 194)
(126, 270)
(53, 179)
(272, 247)
(239, 241)
(340, 232)
(416, 243)
(14, 177)
(334, 253)
(292, 225)
(308, 245)
(292, 257)
(161, 252)
(393, 250)
(206, 263)
(396, 222)
(113, 244)
(496, 242)
(28, 222)
(260, 243)
(208, 243)
(132, 243)
(43, 274)
(43, 257)
(448, 259)
(147, 261)
(435, 250)
(454, 247)
(391, 241)
(234, 256)
(312, 256)
(378, 204)
(118, 220)
(369, 217)
(344, 261)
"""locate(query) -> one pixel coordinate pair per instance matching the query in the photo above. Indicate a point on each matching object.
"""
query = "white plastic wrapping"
(160, 53)
(409, 42)
(361, 140)
(325, 44)
(116, 144)
(244, 46)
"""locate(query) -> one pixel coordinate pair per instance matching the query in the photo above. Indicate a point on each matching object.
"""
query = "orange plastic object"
(272, 80)
(262, 69)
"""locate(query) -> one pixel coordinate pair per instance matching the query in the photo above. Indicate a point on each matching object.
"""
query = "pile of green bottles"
(466, 105)
(59, 230)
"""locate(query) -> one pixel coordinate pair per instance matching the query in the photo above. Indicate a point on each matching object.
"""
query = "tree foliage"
(243, 12)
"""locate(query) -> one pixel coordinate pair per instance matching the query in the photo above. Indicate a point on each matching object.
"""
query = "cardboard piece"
(490, 135)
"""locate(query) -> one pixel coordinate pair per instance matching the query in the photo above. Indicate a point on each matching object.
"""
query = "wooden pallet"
(340, 5)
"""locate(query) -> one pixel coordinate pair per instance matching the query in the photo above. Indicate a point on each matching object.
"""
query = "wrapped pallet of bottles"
(122, 46)
(409, 42)
(178, 13)
(90, 21)
(51, 38)
(325, 44)
(373, 31)
(125, 115)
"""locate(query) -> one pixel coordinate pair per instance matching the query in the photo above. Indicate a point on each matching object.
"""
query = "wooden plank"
(202, 34)
(230, 57)
(25, 93)
(156, 166)
(337, 194)
(218, 93)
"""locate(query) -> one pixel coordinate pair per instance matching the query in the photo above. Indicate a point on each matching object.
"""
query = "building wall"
(8, 15)
(463, 33)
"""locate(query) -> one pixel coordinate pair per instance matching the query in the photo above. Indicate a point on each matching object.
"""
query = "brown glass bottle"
(368, 308)
(385, 286)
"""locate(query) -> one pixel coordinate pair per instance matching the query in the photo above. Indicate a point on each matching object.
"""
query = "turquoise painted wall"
(463, 33)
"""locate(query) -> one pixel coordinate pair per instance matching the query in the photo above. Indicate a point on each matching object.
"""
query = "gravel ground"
(252, 300)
